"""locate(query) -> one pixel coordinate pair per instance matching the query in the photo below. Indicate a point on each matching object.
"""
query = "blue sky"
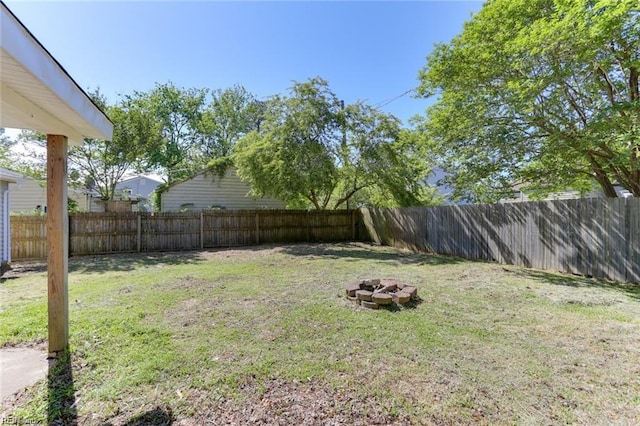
(370, 51)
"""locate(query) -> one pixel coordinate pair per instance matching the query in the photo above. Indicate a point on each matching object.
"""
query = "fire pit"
(375, 293)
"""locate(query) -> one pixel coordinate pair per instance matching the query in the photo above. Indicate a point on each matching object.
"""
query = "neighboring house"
(29, 194)
(622, 193)
(139, 188)
(6, 178)
(208, 190)
(520, 196)
(444, 190)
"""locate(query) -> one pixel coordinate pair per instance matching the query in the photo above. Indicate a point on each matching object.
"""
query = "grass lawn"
(264, 335)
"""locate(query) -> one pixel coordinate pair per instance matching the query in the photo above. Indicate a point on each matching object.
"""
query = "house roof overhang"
(9, 176)
(37, 93)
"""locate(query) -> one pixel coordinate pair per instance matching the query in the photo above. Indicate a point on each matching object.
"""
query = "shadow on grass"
(3, 279)
(123, 262)
(364, 251)
(158, 416)
(412, 304)
(61, 406)
(631, 290)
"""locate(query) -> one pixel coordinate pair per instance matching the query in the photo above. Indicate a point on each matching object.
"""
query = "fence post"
(201, 230)
(257, 227)
(308, 226)
(69, 254)
(353, 225)
(139, 232)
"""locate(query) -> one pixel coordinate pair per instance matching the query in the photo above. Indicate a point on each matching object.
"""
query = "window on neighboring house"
(187, 207)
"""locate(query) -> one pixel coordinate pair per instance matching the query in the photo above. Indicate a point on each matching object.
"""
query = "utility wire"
(386, 102)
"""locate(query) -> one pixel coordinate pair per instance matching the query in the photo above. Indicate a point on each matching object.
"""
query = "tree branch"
(634, 88)
(314, 199)
(347, 196)
(609, 87)
(575, 105)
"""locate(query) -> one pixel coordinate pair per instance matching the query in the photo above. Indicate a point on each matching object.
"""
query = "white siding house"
(207, 190)
(28, 193)
(5, 238)
(522, 196)
(6, 178)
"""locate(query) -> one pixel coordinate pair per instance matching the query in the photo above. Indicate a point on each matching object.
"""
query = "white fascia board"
(9, 176)
(16, 41)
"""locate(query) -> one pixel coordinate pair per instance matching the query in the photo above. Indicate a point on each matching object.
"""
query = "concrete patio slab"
(19, 368)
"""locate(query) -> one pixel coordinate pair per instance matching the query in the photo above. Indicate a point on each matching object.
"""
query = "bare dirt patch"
(310, 403)
(20, 269)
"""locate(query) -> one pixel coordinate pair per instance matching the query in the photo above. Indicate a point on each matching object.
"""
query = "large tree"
(231, 114)
(541, 93)
(311, 150)
(177, 114)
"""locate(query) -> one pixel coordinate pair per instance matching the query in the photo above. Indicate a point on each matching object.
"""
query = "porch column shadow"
(61, 406)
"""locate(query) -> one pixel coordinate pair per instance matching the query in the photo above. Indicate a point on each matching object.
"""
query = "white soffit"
(37, 93)
(9, 176)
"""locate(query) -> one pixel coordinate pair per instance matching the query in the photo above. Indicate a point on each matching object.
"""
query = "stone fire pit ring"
(376, 293)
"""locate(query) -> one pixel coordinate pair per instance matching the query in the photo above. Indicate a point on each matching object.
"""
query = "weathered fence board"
(121, 232)
(100, 233)
(230, 228)
(592, 237)
(28, 237)
(170, 231)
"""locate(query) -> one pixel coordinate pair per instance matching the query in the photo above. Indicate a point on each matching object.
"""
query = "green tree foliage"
(168, 129)
(5, 149)
(312, 151)
(101, 164)
(543, 93)
(26, 154)
(192, 133)
(232, 113)
(176, 113)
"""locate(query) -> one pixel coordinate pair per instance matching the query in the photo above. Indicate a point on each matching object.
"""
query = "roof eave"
(38, 94)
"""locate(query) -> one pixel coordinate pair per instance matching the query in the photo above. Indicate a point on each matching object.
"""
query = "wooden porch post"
(57, 244)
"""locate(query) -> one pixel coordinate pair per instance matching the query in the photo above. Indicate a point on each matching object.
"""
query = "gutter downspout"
(7, 227)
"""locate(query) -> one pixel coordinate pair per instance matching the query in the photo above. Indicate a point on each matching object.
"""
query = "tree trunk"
(608, 189)
(602, 178)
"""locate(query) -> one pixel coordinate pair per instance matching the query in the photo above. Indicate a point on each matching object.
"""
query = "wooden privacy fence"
(593, 237)
(28, 237)
(596, 237)
(100, 233)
